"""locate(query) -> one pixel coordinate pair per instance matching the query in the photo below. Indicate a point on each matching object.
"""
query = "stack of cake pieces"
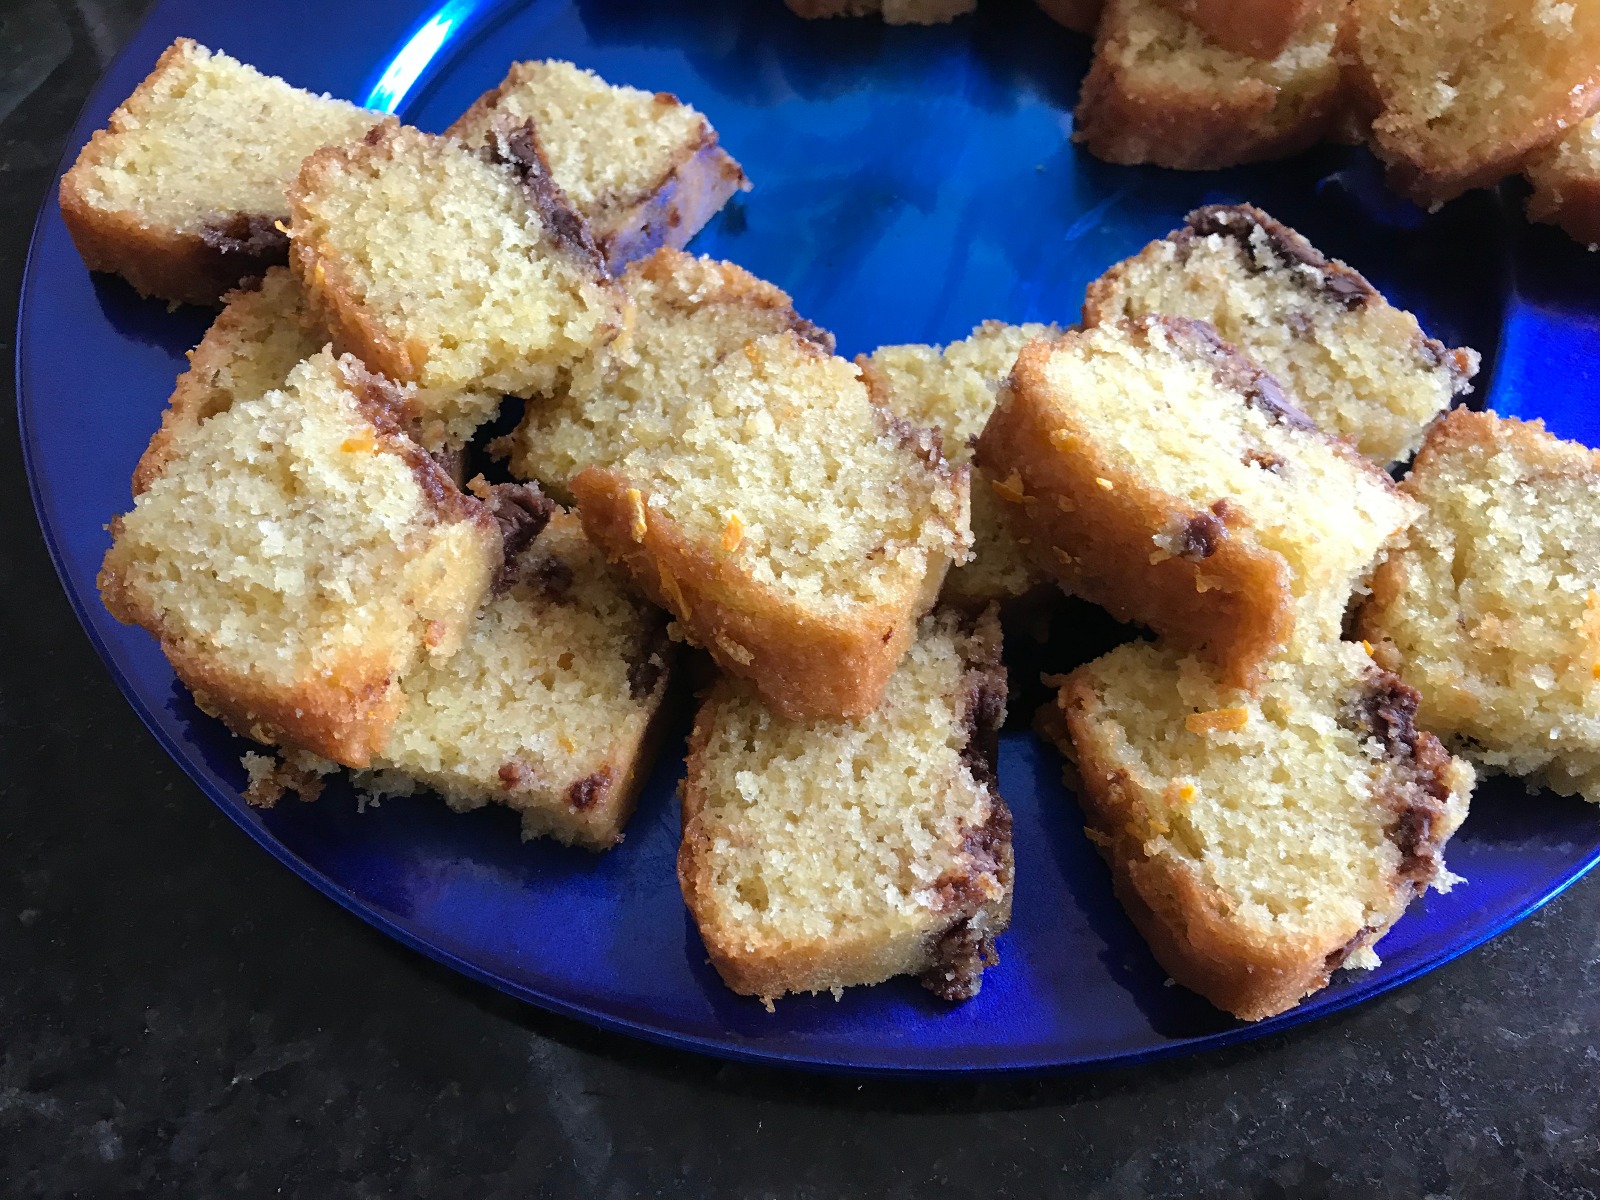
(1261, 789)
(1206, 455)
(319, 572)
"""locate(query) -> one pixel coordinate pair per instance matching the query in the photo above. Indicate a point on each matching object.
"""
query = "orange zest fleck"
(1217, 720)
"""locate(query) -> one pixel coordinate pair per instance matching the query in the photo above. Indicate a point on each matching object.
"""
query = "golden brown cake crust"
(1574, 207)
(187, 268)
(1188, 923)
(1095, 540)
(1187, 129)
(951, 960)
(667, 212)
(1259, 28)
(1566, 185)
(1420, 164)
(805, 667)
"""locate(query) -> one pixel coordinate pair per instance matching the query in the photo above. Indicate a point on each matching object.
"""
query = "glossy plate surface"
(909, 183)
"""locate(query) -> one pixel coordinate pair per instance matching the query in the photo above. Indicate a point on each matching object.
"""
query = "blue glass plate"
(909, 183)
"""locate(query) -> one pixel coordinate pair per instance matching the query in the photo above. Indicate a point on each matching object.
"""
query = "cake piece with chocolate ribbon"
(819, 855)
(1260, 842)
(553, 705)
(1159, 473)
(1490, 603)
(448, 268)
(952, 389)
(182, 194)
(296, 554)
(643, 168)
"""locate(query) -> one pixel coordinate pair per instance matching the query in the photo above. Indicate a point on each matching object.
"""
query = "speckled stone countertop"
(180, 1015)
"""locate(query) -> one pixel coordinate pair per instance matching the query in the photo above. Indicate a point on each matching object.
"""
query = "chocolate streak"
(965, 948)
(1341, 284)
(1234, 371)
(520, 149)
(1389, 711)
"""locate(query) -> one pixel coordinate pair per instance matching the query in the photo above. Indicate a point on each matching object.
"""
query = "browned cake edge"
(1189, 131)
(805, 667)
(336, 304)
(1458, 429)
(668, 211)
(600, 803)
(1411, 172)
(1187, 922)
(1569, 202)
(951, 962)
(1337, 282)
(188, 268)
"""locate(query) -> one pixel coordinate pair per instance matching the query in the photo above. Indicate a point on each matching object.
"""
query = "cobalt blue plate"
(909, 183)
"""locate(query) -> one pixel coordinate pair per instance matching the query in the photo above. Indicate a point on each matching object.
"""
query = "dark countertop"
(181, 1015)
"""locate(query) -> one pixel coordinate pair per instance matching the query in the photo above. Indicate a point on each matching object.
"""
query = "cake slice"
(446, 268)
(1566, 184)
(297, 554)
(1260, 843)
(1164, 476)
(643, 168)
(953, 390)
(182, 194)
(1258, 28)
(822, 855)
(894, 12)
(794, 528)
(1490, 604)
(1353, 363)
(689, 314)
(552, 703)
(1466, 91)
(1161, 92)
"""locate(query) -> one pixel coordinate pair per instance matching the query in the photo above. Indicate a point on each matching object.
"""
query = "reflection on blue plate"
(909, 184)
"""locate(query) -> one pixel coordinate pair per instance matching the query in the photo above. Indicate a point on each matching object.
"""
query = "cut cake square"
(182, 194)
(1260, 842)
(1159, 91)
(447, 268)
(822, 855)
(296, 554)
(953, 390)
(552, 704)
(1160, 474)
(1466, 91)
(745, 480)
(1356, 365)
(1490, 603)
